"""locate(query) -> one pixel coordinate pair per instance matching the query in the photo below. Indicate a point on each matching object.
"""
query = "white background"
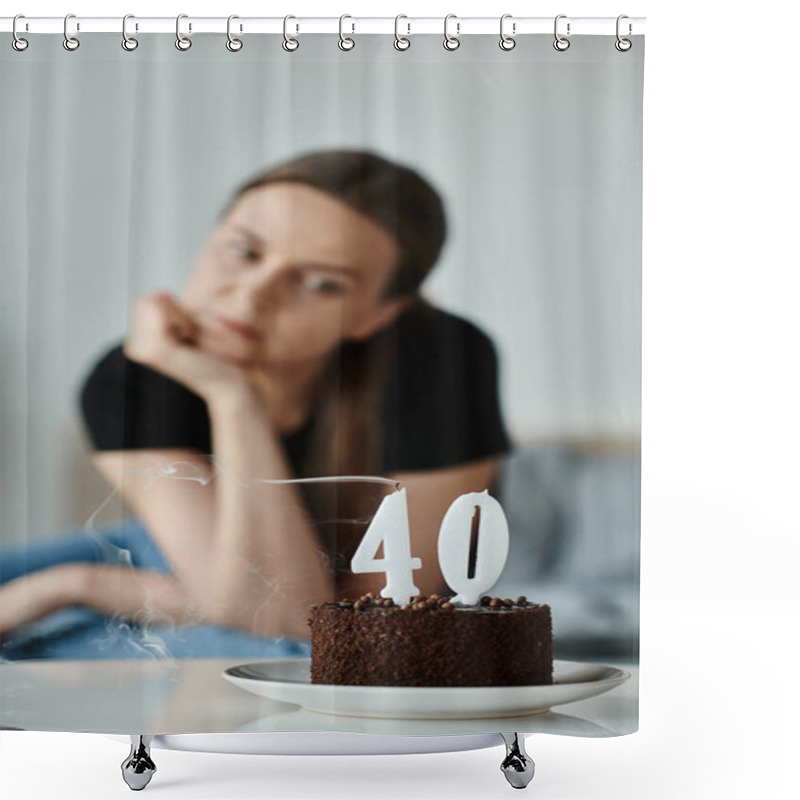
(719, 696)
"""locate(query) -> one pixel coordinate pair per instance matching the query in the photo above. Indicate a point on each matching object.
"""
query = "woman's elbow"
(266, 614)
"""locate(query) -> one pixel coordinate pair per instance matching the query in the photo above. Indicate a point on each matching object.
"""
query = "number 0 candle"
(473, 545)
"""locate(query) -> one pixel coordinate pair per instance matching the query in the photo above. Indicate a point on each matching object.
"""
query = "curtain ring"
(451, 42)
(623, 45)
(18, 43)
(400, 42)
(129, 43)
(233, 44)
(345, 42)
(507, 42)
(181, 42)
(289, 44)
(70, 42)
(561, 43)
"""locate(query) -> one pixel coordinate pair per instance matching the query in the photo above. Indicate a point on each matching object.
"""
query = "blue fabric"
(80, 633)
(574, 518)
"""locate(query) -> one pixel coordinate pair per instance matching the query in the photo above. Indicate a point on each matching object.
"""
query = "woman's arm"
(430, 494)
(32, 596)
(268, 566)
(143, 596)
(244, 551)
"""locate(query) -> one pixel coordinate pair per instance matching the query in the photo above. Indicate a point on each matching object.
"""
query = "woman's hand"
(141, 595)
(33, 596)
(166, 337)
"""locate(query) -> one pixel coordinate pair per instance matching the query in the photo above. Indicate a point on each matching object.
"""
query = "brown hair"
(346, 439)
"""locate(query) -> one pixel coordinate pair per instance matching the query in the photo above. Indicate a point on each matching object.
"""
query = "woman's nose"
(262, 288)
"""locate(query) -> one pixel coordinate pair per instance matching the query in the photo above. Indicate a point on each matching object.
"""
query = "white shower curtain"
(118, 170)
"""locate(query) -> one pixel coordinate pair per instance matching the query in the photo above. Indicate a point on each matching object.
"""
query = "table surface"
(191, 696)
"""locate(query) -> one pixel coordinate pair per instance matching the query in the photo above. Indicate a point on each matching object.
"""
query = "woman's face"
(288, 275)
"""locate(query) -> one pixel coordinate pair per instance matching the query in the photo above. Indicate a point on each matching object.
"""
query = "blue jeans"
(79, 633)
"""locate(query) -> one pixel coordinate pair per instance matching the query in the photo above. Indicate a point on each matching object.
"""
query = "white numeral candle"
(390, 527)
(473, 545)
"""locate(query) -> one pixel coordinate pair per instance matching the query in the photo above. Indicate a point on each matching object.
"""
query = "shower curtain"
(233, 276)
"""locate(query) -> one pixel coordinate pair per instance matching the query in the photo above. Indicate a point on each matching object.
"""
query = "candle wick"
(473, 543)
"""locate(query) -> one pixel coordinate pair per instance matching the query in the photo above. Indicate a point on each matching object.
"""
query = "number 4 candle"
(390, 527)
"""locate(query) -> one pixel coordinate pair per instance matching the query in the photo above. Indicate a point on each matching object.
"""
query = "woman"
(299, 347)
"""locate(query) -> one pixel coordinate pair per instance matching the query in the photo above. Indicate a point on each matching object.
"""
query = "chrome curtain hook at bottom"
(623, 45)
(451, 42)
(17, 42)
(129, 43)
(233, 44)
(70, 42)
(289, 44)
(400, 42)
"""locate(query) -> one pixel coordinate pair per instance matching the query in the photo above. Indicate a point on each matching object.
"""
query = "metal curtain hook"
(623, 45)
(345, 42)
(561, 43)
(70, 42)
(129, 43)
(18, 43)
(451, 42)
(233, 44)
(400, 42)
(507, 42)
(182, 42)
(289, 44)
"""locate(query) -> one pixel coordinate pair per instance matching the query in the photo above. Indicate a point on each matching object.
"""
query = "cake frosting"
(431, 641)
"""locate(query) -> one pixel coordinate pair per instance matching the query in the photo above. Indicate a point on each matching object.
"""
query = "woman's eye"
(321, 285)
(245, 251)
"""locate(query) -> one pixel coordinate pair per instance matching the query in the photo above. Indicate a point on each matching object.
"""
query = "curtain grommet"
(70, 43)
(17, 42)
(183, 43)
(622, 44)
(289, 44)
(233, 44)
(561, 43)
(346, 43)
(451, 42)
(401, 43)
(129, 43)
(507, 42)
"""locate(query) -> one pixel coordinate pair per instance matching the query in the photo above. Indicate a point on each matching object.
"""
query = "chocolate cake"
(431, 642)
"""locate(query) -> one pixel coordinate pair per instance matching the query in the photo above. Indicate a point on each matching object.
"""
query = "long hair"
(346, 437)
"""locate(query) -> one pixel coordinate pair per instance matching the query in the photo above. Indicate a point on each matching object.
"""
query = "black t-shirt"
(439, 407)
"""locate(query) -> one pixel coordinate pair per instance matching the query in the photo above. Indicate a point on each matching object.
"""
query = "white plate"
(289, 681)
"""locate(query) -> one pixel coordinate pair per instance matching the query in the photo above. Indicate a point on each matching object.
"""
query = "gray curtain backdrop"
(115, 166)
